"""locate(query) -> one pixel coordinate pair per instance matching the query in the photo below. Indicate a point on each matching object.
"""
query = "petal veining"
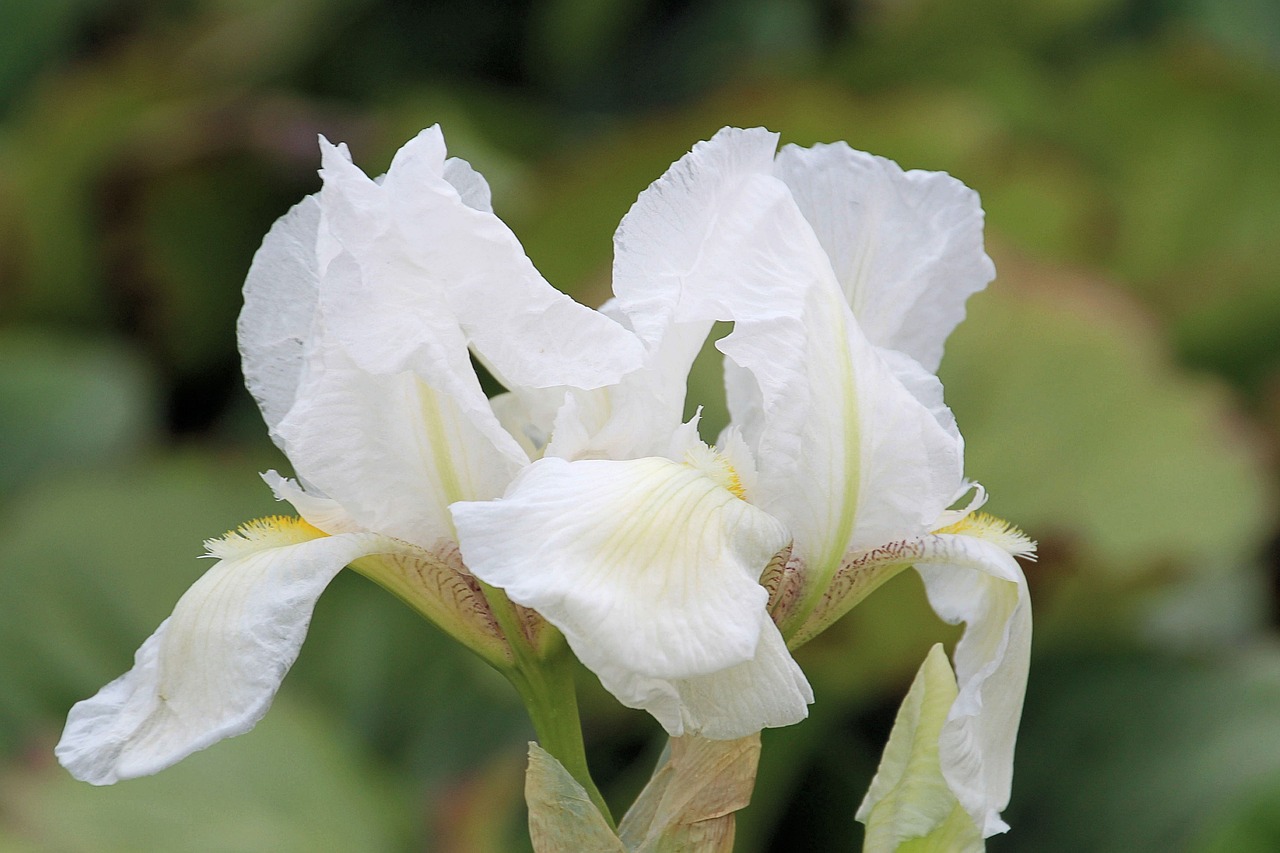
(651, 570)
(212, 668)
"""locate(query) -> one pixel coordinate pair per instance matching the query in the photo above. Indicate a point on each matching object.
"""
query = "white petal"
(472, 188)
(977, 582)
(651, 570)
(211, 669)
(280, 298)
(320, 512)
(702, 242)
(636, 416)
(768, 691)
(392, 450)
(431, 270)
(905, 246)
(848, 457)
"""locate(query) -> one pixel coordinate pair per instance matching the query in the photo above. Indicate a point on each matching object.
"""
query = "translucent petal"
(472, 188)
(701, 243)
(906, 247)
(430, 269)
(392, 450)
(650, 569)
(637, 416)
(280, 299)
(212, 668)
(320, 512)
(848, 456)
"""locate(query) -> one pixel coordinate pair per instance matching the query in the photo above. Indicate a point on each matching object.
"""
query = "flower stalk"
(546, 685)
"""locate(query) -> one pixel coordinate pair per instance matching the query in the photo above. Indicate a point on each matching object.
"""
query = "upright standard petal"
(432, 264)
(651, 570)
(848, 456)
(906, 247)
(830, 419)
(700, 243)
(212, 668)
(281, 295)
(393, 450)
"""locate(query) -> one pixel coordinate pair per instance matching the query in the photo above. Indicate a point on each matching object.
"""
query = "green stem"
(552, 702)
(550, 697)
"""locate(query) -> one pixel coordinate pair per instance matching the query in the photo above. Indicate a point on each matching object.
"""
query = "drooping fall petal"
(212, 668)
(977, 581)
(651, 570)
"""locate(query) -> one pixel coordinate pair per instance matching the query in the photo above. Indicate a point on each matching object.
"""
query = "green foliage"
(295, 783)
(65, 404)
(1142, 752)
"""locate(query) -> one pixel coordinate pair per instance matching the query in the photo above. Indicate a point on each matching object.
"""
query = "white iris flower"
(843, 275)
(362, 311)
(679, 573)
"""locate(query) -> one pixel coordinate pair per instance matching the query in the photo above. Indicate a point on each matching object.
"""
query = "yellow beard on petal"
(717, 467)
(980, 525)
(272, 531)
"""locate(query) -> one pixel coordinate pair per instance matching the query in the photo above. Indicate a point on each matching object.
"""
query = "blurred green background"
(1118, 386)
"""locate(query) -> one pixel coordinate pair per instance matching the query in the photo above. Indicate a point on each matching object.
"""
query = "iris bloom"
(680, 573)
(843, 276)
(363, 309)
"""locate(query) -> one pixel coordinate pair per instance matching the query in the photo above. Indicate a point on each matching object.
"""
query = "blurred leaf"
(483, 808)
(1080, 426)
(292, 784)
(573, 39)
(196, 237)
(1132, 753)
(94, 562)
(400, 683)
(1251, 27)
(36, 33)
(66, 403)
(1252, 826)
